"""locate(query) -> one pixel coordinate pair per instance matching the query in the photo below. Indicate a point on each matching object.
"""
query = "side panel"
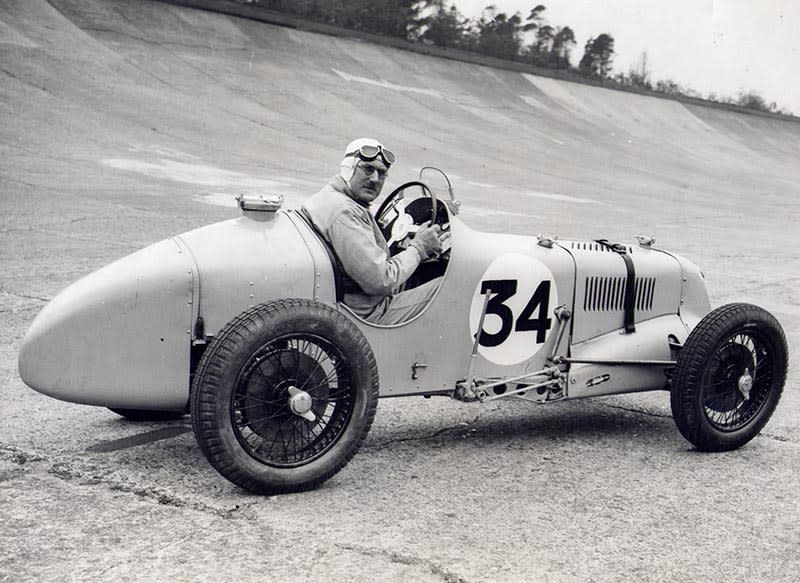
(247, 261)
(649, 342)
(440, 340)
(324, 282)
(695, 303)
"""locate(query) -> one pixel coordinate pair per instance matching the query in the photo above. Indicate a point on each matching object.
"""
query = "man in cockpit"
(373, 278)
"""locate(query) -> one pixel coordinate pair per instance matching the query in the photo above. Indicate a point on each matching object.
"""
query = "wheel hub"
(300, 404)
(745, 384)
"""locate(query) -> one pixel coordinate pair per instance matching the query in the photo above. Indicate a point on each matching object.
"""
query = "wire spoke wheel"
(265, 417)
(284, 396)
(737, 381)
(729, 377)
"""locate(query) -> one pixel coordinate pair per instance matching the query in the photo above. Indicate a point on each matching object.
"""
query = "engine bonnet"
(601, 278)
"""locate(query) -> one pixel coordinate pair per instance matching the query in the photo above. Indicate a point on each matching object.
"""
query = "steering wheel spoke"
(402, 228)
(399, 218)
(388, 213)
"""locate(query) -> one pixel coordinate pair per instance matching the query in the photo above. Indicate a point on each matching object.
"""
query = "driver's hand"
(429, 240)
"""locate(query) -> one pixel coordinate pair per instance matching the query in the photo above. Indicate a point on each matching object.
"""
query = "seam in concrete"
(23, 81)
(634, 410)
(18, 310)
(381, 445)
(67, 471)
(778, 438)
(165, 43)
(17, 456)
(401, 559)
(27, 297)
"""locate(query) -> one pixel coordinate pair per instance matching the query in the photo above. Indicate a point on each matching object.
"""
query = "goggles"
(370, 153)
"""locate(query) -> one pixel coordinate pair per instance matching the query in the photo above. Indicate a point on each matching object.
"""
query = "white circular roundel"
(519, 317)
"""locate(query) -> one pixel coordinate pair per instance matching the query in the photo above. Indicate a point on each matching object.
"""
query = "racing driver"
(373, 278)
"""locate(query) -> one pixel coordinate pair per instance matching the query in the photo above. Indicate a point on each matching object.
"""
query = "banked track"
(108, 74)
(146, 97)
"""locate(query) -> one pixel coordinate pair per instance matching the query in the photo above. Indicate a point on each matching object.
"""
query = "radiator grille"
(593, 246)
(607, 294)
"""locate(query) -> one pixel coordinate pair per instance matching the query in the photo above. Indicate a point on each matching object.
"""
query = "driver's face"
(368, 179)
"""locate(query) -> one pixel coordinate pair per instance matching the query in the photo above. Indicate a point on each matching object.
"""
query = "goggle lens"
(369, 153)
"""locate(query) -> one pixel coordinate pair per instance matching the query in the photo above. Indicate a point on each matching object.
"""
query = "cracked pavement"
(597, 490)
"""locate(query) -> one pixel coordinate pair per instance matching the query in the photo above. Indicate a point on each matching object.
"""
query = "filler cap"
(269, 203)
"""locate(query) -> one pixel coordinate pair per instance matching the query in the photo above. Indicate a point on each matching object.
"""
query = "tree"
(753, 100)
(534, 20)
(445, 27)
(669, 87)
(386, 17)
(498, 34)
(550, 46)
(639, 74)
(586, 60)
(563, 43)
(544, 39)
(597, 56)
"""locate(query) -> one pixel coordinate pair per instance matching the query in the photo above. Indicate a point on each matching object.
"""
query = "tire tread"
(690, 367)
(209, 381)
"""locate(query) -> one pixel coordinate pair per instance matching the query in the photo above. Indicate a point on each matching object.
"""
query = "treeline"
(510, 37)
(531, 40)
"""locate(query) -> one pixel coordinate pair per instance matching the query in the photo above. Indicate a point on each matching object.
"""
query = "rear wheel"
(284, 397)
(729, 377)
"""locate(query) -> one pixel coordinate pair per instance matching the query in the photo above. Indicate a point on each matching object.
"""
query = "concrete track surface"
(124, 123)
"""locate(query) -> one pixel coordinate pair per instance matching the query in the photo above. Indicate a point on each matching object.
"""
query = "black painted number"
(502, 290)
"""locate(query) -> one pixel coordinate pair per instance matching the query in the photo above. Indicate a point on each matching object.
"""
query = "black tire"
(147, 414)
(258, 375)
(729, 377)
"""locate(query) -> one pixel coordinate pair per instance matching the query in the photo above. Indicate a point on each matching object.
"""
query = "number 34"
(503, 289)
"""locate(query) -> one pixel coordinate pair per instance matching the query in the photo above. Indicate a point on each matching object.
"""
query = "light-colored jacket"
(355, 237)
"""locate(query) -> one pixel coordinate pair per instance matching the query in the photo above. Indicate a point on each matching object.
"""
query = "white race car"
(241, 324)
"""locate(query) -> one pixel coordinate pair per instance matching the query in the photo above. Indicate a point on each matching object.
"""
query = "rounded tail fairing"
(119, 337)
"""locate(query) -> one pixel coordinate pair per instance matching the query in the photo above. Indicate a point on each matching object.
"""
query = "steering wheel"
(397, 195)
(398, 221)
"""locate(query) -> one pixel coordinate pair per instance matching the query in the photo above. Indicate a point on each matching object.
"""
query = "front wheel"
(284, 396)
(729, 377)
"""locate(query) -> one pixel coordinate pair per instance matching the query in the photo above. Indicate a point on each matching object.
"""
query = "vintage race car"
(241, 323)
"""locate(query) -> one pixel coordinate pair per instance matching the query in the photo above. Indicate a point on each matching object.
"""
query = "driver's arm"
(364, 255)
